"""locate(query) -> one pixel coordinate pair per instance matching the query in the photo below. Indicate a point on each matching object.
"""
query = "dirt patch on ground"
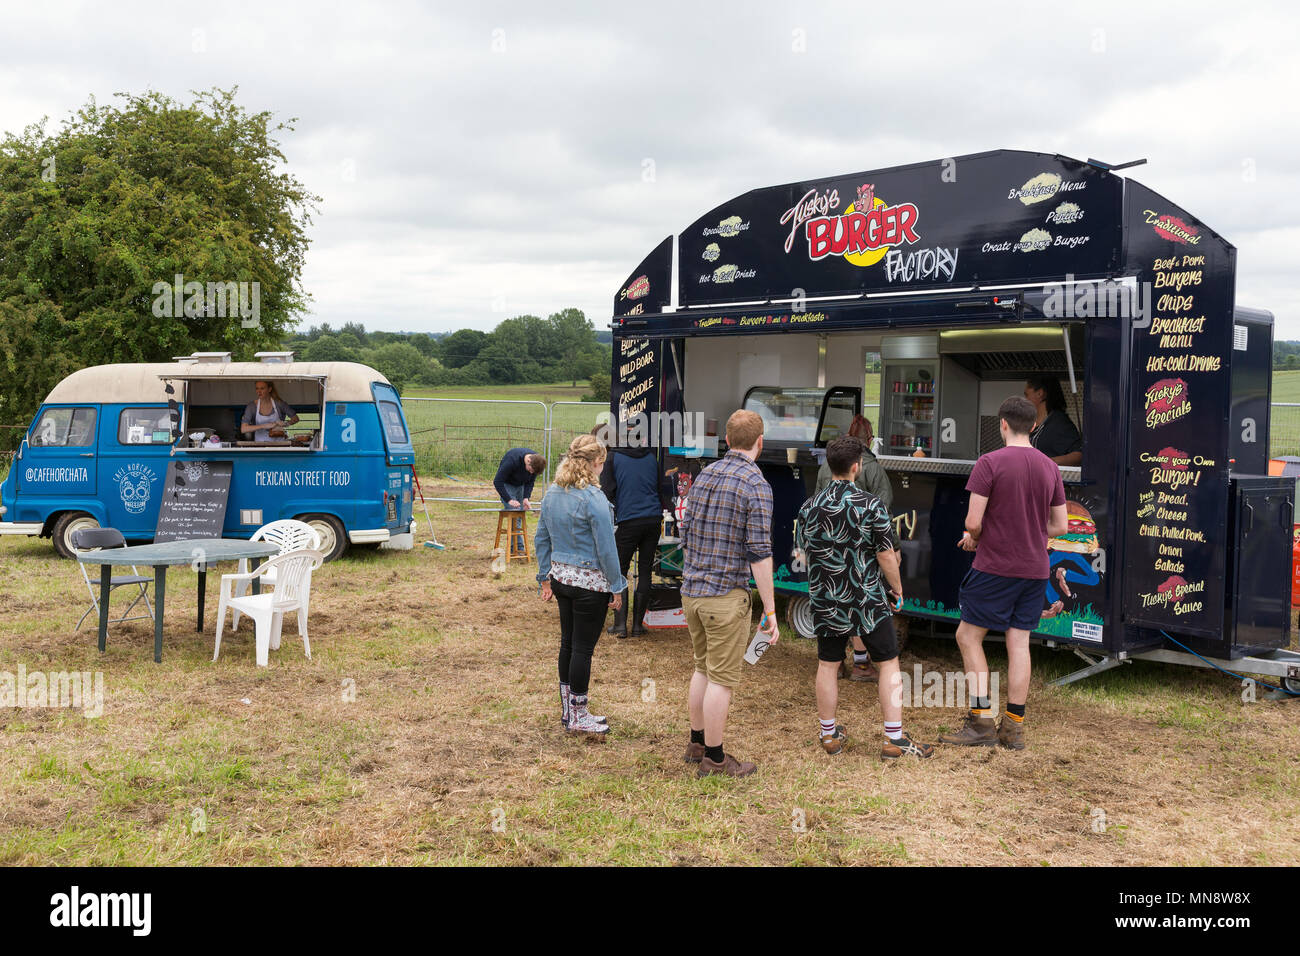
(425, 729)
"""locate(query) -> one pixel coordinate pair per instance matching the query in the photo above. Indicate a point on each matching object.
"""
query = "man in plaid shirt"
(726, 538)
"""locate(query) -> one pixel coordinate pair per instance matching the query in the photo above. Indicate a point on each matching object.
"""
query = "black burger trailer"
(934, 290)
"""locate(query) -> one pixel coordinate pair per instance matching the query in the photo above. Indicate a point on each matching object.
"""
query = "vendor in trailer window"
(267, 415)
(1053, 433)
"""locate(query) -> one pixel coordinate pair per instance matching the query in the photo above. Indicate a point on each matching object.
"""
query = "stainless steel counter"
(951, 466)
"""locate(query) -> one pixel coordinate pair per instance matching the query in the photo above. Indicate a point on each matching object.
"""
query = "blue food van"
(97, 453)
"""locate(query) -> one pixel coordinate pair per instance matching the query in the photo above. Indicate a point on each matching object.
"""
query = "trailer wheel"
(798, 614)
(1291, 684)
(69, 522)
(333, 539)
(902, 627)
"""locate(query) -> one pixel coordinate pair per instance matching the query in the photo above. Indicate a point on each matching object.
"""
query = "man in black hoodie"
(632, 483)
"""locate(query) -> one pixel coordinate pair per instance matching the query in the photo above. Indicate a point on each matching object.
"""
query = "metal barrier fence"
(569, 420)
(1284, 429)
(466, 437)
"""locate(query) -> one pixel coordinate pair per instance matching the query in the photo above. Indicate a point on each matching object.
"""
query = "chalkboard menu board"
(1180, 391)
(636, 384)
(194, 500)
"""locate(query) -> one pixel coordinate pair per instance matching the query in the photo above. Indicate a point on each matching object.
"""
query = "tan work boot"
(975, 732)
(694, 752)
(1011, 733)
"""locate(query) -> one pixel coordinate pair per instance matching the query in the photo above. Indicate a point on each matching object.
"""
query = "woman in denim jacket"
(577, 562)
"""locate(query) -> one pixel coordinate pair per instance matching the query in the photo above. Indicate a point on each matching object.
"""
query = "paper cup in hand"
(791, 455)
(758, 644)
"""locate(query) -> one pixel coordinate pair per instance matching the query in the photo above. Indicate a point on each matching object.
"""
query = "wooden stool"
(517, 548)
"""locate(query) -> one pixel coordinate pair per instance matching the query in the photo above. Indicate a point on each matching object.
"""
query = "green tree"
(400, 362)
(505, 359)
(572, 334)
(600, 387)
(328, 348)
(462, 347)
(98, 217)
(357, 330)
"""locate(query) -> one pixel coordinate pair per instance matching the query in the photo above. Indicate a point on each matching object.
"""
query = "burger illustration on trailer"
(1080, 535)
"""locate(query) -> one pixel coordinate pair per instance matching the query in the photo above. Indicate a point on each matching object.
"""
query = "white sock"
(828, 727)
(894, 731)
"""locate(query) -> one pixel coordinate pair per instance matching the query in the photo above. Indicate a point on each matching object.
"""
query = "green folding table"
(199, 553)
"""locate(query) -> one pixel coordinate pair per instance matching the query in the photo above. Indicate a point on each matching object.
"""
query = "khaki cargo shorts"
(720, 631)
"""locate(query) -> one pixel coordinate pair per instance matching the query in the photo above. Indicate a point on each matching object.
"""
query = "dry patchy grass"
(454, 725)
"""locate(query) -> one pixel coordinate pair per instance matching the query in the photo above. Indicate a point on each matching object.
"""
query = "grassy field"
(424, 731)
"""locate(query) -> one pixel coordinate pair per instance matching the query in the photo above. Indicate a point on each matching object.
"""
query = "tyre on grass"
(333, 538)
(67, 523)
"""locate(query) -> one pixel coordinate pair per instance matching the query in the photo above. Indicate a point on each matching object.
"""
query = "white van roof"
(124, 384)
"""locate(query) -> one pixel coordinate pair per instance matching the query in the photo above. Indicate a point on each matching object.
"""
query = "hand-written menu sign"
(1178, 480)
(637, 383)
(194, 500)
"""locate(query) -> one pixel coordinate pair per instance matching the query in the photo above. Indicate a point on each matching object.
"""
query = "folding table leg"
(105, 582)
(159, 593)
(203, 593)
(253, 565)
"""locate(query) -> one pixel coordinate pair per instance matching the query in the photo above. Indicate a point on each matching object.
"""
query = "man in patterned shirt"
(726, 537)
(844, 534)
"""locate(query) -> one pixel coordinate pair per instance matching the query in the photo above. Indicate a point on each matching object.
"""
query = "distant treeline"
(522, 350)
(1286, 355)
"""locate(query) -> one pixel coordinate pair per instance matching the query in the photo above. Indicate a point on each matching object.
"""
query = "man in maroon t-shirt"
(1017, 501)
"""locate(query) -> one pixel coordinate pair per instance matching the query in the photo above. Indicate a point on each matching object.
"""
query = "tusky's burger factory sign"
(867, 225)
(1010, 216)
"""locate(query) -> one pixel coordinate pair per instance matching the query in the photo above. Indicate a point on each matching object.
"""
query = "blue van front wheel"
(68, 523)
(333, 539)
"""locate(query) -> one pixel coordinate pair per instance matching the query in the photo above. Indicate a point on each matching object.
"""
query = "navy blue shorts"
(997, 603)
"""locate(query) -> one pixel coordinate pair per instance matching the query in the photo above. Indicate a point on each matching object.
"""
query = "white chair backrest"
(291, 572)
(289, 535)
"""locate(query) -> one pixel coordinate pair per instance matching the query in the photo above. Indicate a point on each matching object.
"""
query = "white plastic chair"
(289, 535)
(292, 593)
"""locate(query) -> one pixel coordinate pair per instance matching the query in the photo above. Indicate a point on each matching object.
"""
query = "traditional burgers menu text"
(1178, 472)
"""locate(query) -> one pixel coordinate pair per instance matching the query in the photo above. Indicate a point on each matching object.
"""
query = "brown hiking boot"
(694, 752)
(864, 673)
(975, 732)
(1011, 733)
(730, 767)
(904, 746)
(834, 744)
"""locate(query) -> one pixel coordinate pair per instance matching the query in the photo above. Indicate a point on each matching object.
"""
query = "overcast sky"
(483, 160)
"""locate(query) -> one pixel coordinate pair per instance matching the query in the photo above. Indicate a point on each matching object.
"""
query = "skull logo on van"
(134, 484)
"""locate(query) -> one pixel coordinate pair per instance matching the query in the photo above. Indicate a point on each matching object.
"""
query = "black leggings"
(582, 615)
(639, 537)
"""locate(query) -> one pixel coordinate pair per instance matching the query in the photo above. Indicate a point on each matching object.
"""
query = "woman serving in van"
(266, 416)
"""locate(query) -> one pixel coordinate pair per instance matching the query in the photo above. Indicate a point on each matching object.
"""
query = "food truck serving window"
(66, 427)
(144, 426)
